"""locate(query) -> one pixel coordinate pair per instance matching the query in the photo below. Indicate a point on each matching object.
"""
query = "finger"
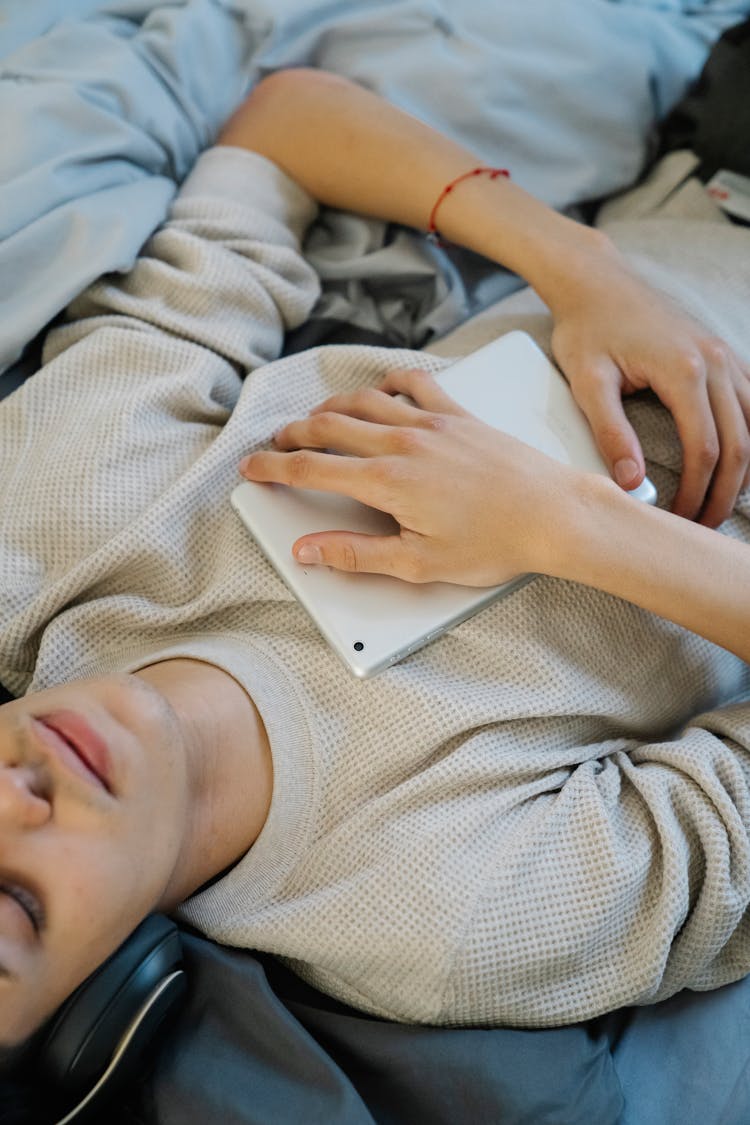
(371, 405)
(306, 468)
(691, 409)
(368, 554)
(599, 396)
(734, 456)
(330, 430)
(741, 379)
(421, 387)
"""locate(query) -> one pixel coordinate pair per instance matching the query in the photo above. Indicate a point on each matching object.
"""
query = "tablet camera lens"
(358, 646)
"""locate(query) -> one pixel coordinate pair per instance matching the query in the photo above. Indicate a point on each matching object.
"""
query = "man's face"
(84, 854)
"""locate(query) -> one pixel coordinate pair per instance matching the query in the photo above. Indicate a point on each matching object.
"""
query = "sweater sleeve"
(225, 270)
(624, 883)
(140, 383)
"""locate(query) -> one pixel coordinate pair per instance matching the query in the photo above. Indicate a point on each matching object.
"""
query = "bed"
(105, 112)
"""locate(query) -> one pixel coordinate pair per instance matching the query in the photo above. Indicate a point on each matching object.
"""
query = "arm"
(139, 386)
(684, 572)
(518, 511)
(224, 271)
(613, 335)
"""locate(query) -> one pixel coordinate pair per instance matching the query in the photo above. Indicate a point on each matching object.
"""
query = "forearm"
(351, 150)
(679, 570)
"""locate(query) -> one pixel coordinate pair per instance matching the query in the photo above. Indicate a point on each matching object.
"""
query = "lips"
(77, 745)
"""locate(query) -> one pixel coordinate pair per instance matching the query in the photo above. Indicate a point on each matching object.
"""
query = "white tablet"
(372, 621)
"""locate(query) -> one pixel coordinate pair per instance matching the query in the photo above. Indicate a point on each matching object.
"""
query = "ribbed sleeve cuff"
(241, 176)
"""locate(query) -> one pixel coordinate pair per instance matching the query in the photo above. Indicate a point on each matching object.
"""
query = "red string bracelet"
(432, 231)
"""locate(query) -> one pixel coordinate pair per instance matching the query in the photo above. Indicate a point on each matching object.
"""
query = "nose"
(22, 800)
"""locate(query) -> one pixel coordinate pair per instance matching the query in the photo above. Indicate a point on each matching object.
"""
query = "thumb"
(613, 433)
(345, 550)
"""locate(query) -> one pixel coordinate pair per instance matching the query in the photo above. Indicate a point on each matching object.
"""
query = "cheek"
(154, 834)
(99, 897)
(104, 890)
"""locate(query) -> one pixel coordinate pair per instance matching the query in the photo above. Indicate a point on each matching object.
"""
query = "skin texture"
(613, 335)
(478, 507)
(80, 866)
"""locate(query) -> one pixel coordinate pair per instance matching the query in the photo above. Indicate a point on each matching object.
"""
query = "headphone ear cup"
(115, 1012)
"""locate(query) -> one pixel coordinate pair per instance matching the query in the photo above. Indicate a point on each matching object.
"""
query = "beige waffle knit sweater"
(542, 816)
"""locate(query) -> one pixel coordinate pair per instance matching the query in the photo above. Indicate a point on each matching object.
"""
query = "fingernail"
(309, 554)
(244, 463)
(626, 471)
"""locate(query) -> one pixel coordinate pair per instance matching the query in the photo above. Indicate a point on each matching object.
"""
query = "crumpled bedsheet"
(105, 107)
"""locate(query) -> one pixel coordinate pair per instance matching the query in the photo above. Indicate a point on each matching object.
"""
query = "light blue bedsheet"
(104, 108)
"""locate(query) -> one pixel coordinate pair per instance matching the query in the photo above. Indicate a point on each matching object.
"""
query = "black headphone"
(94, 1043)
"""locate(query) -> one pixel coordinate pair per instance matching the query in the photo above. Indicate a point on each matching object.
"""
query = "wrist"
(575, 266)
(575, 543)
(566, 262)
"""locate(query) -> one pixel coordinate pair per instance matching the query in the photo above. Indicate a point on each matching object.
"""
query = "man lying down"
(540, 817)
